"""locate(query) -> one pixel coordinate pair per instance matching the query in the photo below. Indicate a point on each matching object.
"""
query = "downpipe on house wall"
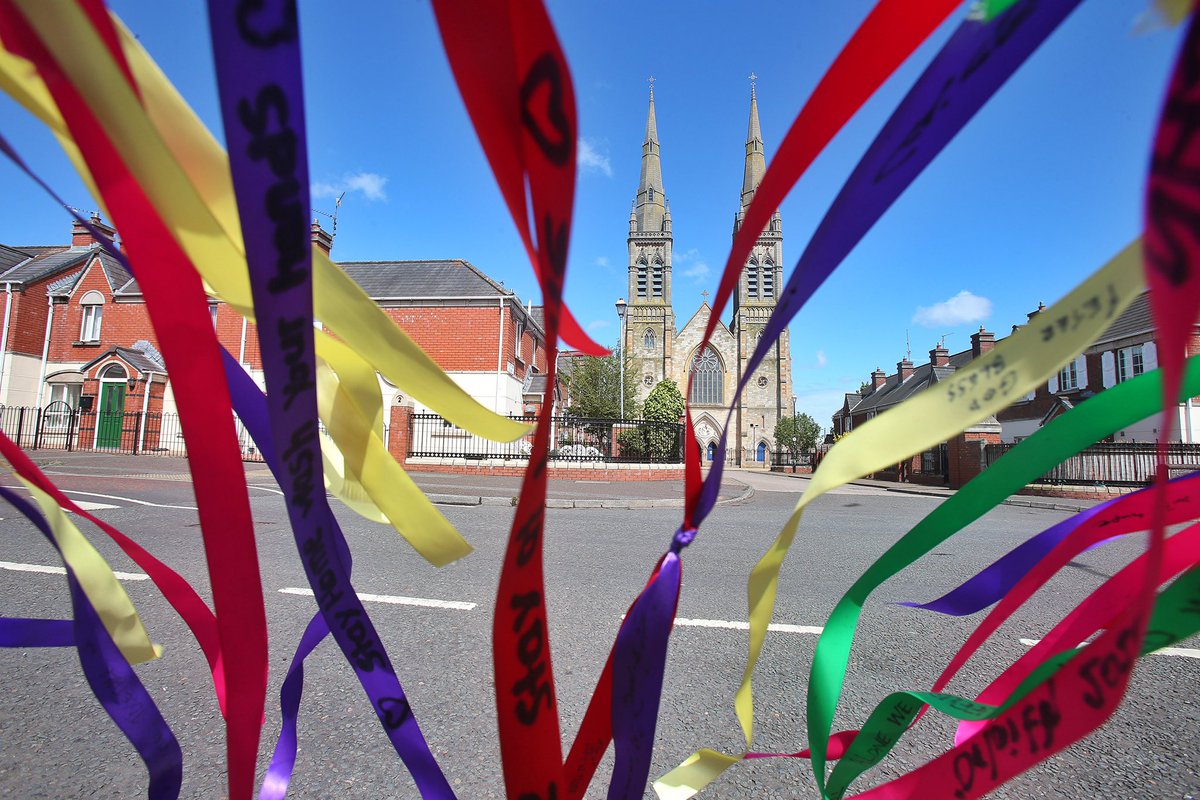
(4, 337)
(45, 350)
(141, 445)
(500, 361)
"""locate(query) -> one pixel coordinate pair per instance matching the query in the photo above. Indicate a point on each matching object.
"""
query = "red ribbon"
(178, 310)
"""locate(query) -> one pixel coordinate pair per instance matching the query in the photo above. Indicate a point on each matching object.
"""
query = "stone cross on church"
(659, 350)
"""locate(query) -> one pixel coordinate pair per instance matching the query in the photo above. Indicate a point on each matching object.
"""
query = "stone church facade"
(658, 349)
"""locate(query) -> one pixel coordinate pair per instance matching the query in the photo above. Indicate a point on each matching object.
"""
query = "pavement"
(496, 490)
(441, 488)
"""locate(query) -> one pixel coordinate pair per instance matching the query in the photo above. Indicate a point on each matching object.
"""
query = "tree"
(665, 405)
(797, 434)
(593, 385)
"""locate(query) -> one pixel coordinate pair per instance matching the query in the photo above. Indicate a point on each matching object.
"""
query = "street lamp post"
(621, 359)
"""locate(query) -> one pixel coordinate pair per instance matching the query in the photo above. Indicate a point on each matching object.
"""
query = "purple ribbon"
(20, 632)
(639, 660)
(257, 53)
(109, 675)
(993, 582)
(971, 67)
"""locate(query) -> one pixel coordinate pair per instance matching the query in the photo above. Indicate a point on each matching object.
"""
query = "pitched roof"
(11, 256)
(142, 357)
(893, 391)
(1134, 320)
(393, 280)
(119, 279)
(43, 262)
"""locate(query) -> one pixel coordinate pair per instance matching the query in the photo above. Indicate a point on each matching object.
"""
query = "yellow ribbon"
(96, 579)
(186, 174)
(987, 385)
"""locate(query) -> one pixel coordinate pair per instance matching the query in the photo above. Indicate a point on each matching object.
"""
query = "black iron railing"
(1112, 464)
(572, 439)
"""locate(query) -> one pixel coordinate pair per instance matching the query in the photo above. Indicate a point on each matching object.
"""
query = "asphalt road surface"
(56, 742)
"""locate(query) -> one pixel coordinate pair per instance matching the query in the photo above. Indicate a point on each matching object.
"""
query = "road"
(56, 742)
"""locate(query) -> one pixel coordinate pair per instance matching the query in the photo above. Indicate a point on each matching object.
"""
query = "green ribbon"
(1088, 422)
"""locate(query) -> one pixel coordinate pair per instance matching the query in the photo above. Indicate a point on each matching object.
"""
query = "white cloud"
(821, 359)
(369, 184)
(963, 307)
(592, 159)
(598, 325)
(601, 261)
(696, 268)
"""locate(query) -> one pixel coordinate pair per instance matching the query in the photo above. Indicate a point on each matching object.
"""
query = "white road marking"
(89, 506)
(745, 626)
(397, 600)
(127, 500)
(1183, 652)
(270, 489)
(15, 567)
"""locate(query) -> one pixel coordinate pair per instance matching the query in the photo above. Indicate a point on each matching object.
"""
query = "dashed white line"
(1182, 652)
(88, 507)
(15, 567)
(397, 600)
(745, 626)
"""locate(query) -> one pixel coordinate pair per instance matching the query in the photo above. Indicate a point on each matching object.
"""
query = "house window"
(768, 281)
(658, 279)
(93, 308)
(648, 339)
(57, 417)
(1068, 377)
(212, 312)
(708, 379)
(1129, 363)
(641, 279)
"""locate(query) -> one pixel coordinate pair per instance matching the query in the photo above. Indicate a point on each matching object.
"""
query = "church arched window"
(752, 279)
(657, 279)
(648, 339)
(768, 280)
(707, 380)
(641, 279)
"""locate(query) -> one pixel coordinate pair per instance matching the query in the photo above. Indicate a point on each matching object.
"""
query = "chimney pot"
(982, 342)
(939, 356)
(83, 239)
(904, 369)
(321, 238)
(878, 378)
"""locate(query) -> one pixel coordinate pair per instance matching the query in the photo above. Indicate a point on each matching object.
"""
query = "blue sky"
(1040, 189)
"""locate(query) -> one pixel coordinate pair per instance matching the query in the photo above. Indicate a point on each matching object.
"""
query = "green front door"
(111, 415)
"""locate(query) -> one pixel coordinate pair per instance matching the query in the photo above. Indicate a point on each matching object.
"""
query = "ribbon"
(1110, 519)
(109, 675)
(885, 39)
(179, 313)
(262, 104)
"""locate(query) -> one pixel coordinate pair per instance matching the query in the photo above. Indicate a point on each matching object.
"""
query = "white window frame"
(1130, 362)
(92, 305)
(1068, 377)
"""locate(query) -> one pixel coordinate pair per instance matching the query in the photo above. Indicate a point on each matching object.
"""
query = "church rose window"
(648, 340)
(708, 380)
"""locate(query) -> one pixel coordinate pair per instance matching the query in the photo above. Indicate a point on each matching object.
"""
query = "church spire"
(650, 199)
(756, 161)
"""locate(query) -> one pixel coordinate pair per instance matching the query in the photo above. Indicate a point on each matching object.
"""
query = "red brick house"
(1125, 350)
(76, 331)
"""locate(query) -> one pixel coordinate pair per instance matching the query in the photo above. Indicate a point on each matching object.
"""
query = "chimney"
(939, 356)
(82, 238)
(878, 378)
(983, 341)
(321, 238)
(1041, 307)
(904, 369)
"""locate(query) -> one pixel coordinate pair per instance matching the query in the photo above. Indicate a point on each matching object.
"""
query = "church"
(658, 350)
